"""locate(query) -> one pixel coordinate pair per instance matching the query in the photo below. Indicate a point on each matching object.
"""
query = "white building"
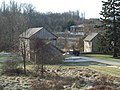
(91, 43)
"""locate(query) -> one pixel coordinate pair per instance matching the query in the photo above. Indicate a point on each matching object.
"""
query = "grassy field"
(68, 75)
(91, 64)
(85, 64)
(3, 58)
(104, 57)
(114, 71)
(64, 78)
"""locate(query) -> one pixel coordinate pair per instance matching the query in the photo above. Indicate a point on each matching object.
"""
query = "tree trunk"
(42, 70)
(24, 57)
(115, 35)
(24, 66)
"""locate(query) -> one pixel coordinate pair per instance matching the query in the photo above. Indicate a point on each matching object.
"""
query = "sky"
(91, 8)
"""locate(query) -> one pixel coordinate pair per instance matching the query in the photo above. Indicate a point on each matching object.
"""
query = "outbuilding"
(91, 43)
(28, 42)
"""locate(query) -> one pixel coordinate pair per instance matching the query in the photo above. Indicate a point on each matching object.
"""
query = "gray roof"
(79, 26)
(34, 31)
(30, 32)
(90, 37)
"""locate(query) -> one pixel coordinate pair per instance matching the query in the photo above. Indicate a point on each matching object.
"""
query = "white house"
(91, 43)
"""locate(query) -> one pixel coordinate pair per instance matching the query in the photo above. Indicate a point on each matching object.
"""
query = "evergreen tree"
(111, 20)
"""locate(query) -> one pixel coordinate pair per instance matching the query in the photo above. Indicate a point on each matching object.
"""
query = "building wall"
(25, 45)
(95, 45)
(91, 46)
(46, 36)
(43, 34)
(87, 46)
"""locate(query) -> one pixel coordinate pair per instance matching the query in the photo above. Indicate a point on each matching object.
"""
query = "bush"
(10, 67)
(1, 87)
(39, 85)
(47, 85)
(102, 87)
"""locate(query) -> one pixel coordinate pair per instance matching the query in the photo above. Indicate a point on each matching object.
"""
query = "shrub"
(47, 85)
(1, 87)
(39, 85)
(10, 67)
(102, 87)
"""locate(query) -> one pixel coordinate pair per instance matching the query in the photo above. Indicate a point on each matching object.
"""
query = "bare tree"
(24, 51)
(44, 53)
(38, 49)
(13, 22)
(79, 44)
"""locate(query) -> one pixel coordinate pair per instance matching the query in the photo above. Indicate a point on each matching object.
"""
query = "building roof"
(90, 37)
(77, 26)
(32, 31)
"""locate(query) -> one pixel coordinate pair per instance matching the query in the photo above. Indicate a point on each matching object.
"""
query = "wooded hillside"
(16, 18)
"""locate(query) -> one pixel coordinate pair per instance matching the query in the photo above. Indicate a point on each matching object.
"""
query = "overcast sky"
(91, 8)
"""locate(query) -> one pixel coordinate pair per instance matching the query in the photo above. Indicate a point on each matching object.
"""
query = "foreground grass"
(104, 57)
(3, 58)
(60, 77)
(114, 71)
(85, 64)
(92, 65)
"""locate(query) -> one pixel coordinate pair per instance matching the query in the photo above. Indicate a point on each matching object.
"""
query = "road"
(84, 59)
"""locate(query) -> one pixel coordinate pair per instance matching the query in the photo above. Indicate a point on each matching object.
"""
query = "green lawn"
(87, 63)
(115, 71)
(2, 59)
(103, 68)
(104, 57)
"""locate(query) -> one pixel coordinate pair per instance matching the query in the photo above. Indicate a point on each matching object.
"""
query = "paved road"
(83, 59)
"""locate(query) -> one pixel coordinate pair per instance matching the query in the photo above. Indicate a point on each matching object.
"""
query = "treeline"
(16, 18)
(110, 41)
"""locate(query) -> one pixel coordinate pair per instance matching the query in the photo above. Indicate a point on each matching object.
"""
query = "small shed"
(91, 43)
